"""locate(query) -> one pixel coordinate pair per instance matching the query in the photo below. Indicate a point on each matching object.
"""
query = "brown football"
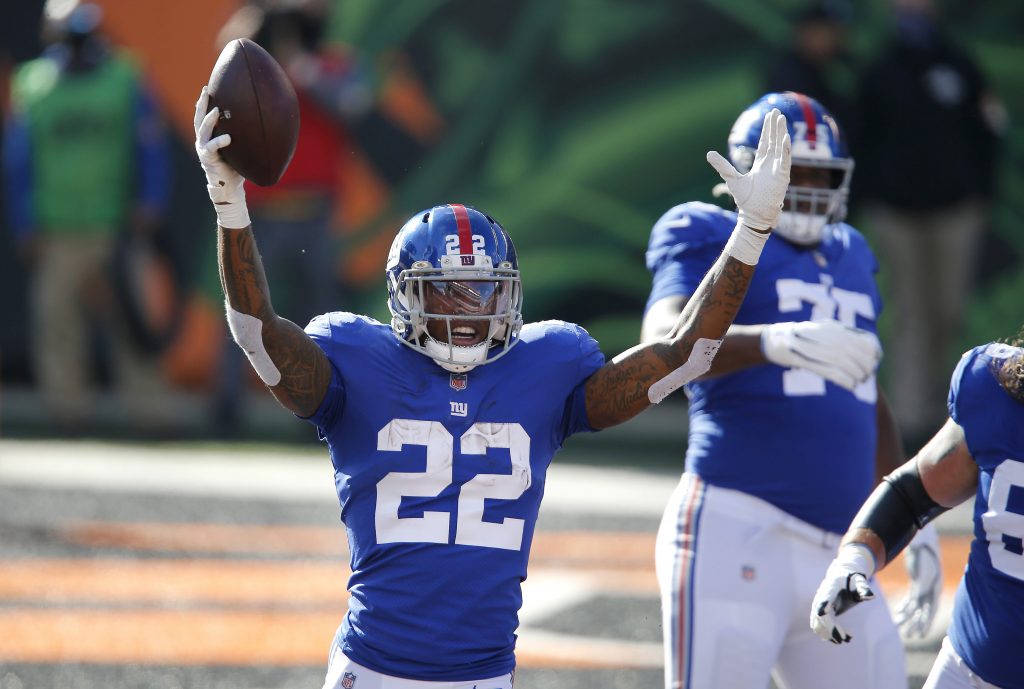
(258, 108)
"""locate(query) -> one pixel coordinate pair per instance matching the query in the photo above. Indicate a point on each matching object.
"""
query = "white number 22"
(433, 526)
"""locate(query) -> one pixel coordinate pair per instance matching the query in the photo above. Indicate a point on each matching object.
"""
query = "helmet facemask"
(821, 167)
(811, 206)
(461, 317)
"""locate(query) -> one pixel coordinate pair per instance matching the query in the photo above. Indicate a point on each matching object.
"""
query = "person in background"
(927, 162)
(85, 162)
(294, 217)
(788, 433)
(978, 453)
(816, 60)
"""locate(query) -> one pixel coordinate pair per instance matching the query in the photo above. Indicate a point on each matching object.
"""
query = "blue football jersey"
(786, 436)
(440, 477)
(988, 616)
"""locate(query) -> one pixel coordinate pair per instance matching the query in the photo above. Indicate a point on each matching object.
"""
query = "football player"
(441, 424)
(788, 433)
(979, 452)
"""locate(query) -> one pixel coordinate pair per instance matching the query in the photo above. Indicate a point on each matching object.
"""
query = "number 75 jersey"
(988, 616)
(775, 433)
(440, 478)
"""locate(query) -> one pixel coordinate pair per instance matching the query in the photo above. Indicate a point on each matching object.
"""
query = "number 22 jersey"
(988, 615)
(440, 478)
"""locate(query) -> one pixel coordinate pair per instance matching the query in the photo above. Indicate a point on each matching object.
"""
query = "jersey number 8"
(1004, 520)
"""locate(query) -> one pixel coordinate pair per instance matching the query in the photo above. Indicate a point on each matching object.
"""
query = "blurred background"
(133, 563)
(576, 123)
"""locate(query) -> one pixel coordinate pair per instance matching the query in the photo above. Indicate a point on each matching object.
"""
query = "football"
(258, 108)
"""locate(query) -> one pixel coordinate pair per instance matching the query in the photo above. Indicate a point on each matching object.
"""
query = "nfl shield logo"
(458, 381)
(348, 681)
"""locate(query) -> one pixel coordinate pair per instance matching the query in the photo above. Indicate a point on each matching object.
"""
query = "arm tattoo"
(618, 391)
(305, 371)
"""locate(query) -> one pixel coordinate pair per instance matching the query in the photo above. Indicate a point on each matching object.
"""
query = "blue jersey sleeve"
(975, 393)
(956, 401)
(321, 331)
(684, 244)
(591, 359)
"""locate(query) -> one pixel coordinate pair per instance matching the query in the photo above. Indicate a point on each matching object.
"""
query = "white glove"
(844, 586)
(844, 355)
(222, 182)
(915, 613)
(759, 193)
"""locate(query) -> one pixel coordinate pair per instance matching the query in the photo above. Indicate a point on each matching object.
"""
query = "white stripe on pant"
(737, 576)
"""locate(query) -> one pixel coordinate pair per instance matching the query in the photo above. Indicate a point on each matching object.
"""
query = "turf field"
(165, 566)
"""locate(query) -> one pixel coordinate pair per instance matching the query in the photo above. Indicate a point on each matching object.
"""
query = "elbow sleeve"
(897, 508)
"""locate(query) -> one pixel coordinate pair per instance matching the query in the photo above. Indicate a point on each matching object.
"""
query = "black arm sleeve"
(897, 508)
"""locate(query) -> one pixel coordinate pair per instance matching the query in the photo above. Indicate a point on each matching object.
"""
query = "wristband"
(232, 213)
(857, 557)
(745, 244)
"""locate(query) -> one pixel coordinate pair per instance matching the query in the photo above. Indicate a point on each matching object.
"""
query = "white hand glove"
(223, 183)
(844, 586)
(844, 355)
(759, 193)
(915, 613)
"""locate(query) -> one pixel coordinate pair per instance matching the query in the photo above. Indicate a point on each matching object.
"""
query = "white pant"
(342, 673)
(737, 576)
(950, 672)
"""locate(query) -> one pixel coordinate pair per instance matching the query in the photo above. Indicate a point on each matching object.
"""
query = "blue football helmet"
(818, 144)
(453, 287)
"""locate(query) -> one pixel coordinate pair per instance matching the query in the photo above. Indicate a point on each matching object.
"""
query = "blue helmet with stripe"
(453, 287)
(819, 154)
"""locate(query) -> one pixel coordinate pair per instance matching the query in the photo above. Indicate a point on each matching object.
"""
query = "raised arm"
(287, 360)
(647, 373)
(839, 353)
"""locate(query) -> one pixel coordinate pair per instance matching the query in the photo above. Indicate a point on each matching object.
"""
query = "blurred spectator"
(293, 219)
(927, 163)
(816, 55)
(85, 162)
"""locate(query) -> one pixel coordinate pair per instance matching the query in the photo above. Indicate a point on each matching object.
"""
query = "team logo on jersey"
(458, 381)
(460, 408)
(748, 573)
(348, 680)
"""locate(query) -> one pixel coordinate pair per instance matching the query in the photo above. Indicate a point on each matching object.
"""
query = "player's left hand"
(844, 586)
(223, 183)
(915, 613)
(759, 194)
(839, 353)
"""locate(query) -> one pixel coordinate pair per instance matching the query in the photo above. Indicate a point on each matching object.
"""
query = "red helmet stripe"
(465, 230)
(809, 118)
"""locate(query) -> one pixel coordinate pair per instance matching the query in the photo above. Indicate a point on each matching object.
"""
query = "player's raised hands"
(838, 353)
(224, 184)
(844, 586)
(759, 194)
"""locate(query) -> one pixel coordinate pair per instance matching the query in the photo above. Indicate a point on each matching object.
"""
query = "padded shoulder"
(686, 227)
(346, 330)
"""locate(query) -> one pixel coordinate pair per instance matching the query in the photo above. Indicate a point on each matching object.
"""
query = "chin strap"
(454, 358)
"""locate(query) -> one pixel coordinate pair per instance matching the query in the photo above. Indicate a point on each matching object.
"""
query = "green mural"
(578, 122)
